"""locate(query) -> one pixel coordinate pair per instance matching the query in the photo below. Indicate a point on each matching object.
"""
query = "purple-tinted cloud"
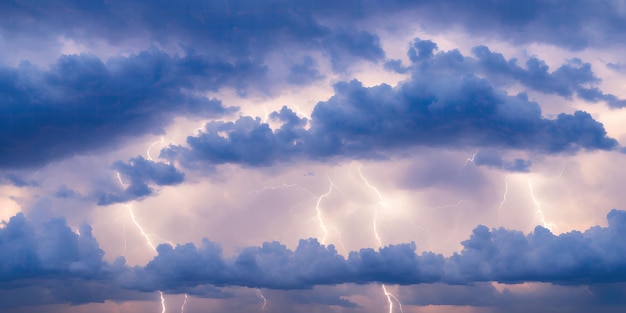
(34, 253)
(137, 175)
(82, 103)
(444, 104)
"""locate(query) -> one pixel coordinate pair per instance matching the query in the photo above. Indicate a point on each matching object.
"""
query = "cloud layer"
(53, 251)
(82, 103)
(512, 105)
(445, 103)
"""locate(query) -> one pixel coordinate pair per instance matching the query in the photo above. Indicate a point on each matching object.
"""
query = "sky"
(312, 156)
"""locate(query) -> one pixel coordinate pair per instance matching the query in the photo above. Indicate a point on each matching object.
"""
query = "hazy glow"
(406, 124)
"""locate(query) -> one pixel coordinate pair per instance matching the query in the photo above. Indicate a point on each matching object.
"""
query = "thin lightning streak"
(319, 210)
(318, 203)
(182, 307)
(539, 211)
(258, 192)
(262, 297)
(506, 191)
(162, 302)
(125, 241)
(456, 205)
(152, 145)
(387, 294)
(390, 296)
(119, 179)
(467, 161)
(381, 202)
(143, 233)
(282, 186)
(562, 169)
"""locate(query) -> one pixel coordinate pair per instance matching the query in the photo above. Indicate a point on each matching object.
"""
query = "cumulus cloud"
(444, 104)
(247, 141)
(49, 263)
(50, 250)
(44, 253)
(137, 175)
(574, 77)
(82, 103)
(592, 257)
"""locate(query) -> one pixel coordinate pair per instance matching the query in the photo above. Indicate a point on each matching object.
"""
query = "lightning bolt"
(562, 169)
(467, 161)
(119, 179)
(260, 295)
(282, 186)
(141, 230)
(130, 209)
(318, 203)
(162, 141)
(182, 307)
(456, 205)
(539, 211)
(506, 191)
(143, 234)
(381, 202)
(390, 296)
(320, 219)
(162, 301)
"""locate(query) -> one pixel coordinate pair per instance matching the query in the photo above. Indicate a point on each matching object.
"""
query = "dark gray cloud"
(18, 181)
(593, 257)
(137, 175)
(617, 67)
(574, 77)
(494, 159)
(48, 253)
(48, 263)
(249, 141)
(82, 103)
(244, 27)
(538, 297)
(243, 30)
(50, 250)
(304, 72)
(444, 104)
(569, 24)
